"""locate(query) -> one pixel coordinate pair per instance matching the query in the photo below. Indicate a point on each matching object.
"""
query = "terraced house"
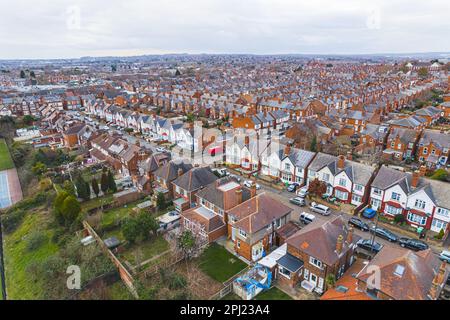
(434, 148)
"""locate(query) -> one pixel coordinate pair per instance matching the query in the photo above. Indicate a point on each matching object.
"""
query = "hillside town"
(226, 177)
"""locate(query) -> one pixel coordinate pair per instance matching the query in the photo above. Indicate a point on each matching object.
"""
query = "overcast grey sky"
(74, 28)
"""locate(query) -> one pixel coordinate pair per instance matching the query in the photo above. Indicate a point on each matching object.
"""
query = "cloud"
(73, 28)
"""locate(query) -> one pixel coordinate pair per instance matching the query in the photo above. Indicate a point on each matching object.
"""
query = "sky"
(76, 28)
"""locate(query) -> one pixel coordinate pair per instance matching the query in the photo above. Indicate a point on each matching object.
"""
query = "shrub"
(440, 234)
(177, 281)
(35, 241)
(12, 221)
(399, 218)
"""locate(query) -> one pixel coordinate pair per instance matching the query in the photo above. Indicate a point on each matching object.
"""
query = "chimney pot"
(180, 172)
(339, 244)
(422, 171)
(350, 235)
(341, 162)
(287, 150)
(247, 140)
(239, 195)
(415, 179)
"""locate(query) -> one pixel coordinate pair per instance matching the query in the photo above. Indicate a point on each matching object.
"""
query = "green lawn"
(97, 202)
(19, 284)
(146, 250)
(219, 264)
(273, 294)
(6, 161)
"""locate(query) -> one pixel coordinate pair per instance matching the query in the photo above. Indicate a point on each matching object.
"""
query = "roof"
(270, 260)
(405, 274)
(319, 239)
(169, 171)
(195, 179)
(258, 212)
(288, 261)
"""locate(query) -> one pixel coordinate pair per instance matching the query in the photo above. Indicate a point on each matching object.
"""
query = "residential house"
(434, 148)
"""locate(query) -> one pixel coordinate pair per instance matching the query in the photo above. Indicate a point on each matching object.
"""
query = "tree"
(161, 201)
(111, 183)
(399, 218)
(187, 244)
(22, 74)
(330, 280)
(39, 168)
(313, 146)
(422, 72)
(441, 234)
(440, 174)
(317, 187)
(28, 120)
(147, 223)
(70, 210)
(58, 205)
(104, 182)
(95, 187)
(131, 230)
(83, 189)
(32, 74)
(69, 187)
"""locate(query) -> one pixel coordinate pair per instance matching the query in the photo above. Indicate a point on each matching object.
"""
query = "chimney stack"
(438, 281)
(339, 244)
(180, 172)
(253, 190)
(239, 195)
(247, 140)
(349, 156)
(415, 179)
(350, 235)
(341, 162)
(422, 171)
(287, 150)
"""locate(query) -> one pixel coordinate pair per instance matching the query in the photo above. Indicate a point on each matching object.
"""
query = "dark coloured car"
(292, 187)
(358, 223)
(370, 246)
(413, 244)
(385, 234)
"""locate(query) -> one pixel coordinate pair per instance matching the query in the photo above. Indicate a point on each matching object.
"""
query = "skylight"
(399, 270)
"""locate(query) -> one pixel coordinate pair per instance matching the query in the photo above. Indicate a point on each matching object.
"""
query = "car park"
(358, 223)
(293, 187)
(445, 256)
(298, 201)
(306, 218)
(369, 245)
(384, 234)
(320, 208)
(413, 244)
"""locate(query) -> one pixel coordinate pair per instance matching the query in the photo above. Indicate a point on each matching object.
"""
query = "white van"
(306, 218)
(320, 208)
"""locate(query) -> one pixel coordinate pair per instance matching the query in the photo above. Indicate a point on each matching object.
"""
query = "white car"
(445, 256)
(249, 184)
(302, 192)
(320, 208)
(160, 149)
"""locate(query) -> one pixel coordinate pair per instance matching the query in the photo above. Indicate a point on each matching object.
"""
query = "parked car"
(369, 245)
(302, 192)
(173, 213)
(298, 201)
(384, 234)
(292, 187)
(445, 256)
(306, 218)
(369, 213)
(358, 223)
(160, 149)
(249, 184)
(238, 179)
(413, 244)
(222, 172)
(320, 208)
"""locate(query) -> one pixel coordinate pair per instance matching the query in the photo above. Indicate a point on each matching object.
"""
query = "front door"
(313, 279)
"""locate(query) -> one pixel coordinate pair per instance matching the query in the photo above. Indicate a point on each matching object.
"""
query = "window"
(395, 196)
(443, 212)
(425, 150)
(420, 204)
(433, 152)
(242, 233)
(306, 275)
(315, 262)
(287, 166)
(342, 182)
(238, 244)
(326, 177)
(341, 195)
(439, 224)
(392, 210)
(375, 204)
(285, 272)
(358, 187)
(356, 198)
(415, 218)
(376, 191)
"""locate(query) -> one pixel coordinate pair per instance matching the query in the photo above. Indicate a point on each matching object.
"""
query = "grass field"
(6, 161)
(146, 250)
(273, 294)
(18, 258)
(219, 264)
